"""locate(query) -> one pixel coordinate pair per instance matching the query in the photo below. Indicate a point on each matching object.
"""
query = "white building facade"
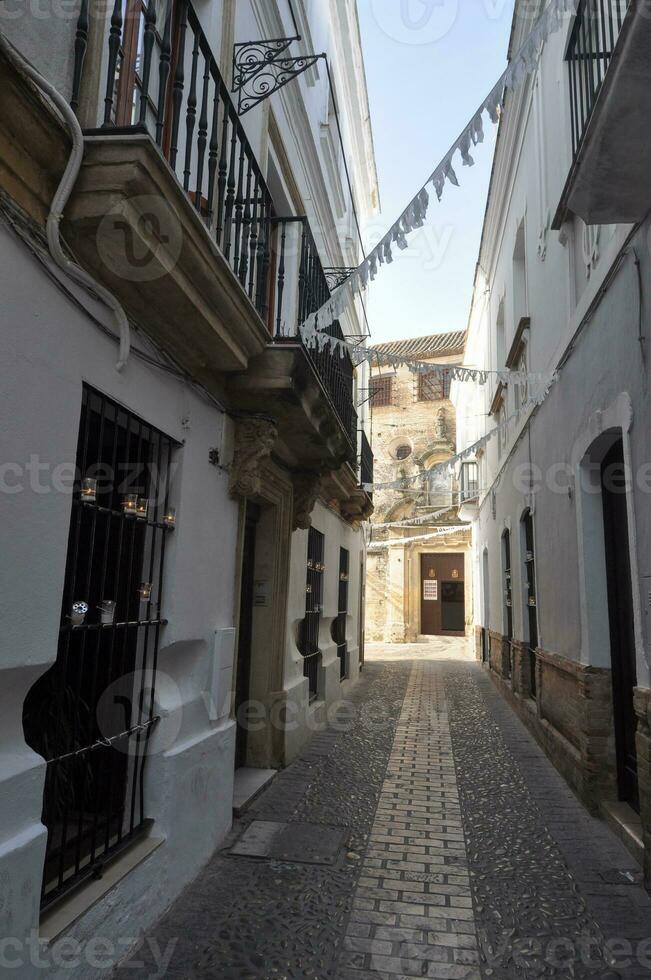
(562, 514)
(183, 552)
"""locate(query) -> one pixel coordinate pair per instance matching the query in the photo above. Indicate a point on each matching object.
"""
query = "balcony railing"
(296, 253)
(160, 76)
(365, 461)
(596, 29)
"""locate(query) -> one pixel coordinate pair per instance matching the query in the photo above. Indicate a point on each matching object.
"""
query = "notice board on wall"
(430, 590)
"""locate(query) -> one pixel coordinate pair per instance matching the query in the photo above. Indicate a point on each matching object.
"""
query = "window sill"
(69, 910)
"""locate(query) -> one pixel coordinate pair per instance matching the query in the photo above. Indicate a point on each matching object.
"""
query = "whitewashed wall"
(48, 348)
(338, 534)
(605, 371)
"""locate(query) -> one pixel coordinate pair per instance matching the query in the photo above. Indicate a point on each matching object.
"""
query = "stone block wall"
(571, 716)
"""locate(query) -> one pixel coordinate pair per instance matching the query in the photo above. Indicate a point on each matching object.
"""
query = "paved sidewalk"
(462, 854)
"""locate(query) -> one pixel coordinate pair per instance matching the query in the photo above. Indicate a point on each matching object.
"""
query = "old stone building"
(419, 576)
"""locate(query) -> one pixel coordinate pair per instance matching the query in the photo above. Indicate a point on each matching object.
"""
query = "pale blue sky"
(429, 64)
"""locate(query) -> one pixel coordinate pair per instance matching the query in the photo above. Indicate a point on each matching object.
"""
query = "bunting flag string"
(404, 483)
(417, 521)
(413, 217)
(441, 532)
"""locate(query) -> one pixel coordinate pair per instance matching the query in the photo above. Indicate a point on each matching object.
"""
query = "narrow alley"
(423, 834)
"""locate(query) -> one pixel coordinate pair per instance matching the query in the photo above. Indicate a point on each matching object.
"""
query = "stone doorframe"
(286, 502)
(255, 477)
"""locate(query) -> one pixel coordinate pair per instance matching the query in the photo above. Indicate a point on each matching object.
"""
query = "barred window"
(92, 713)
(381, 392)
(308, 640)
(433, 387)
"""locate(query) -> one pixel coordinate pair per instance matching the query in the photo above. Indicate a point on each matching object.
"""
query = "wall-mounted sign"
(262, 594)
(430, 590)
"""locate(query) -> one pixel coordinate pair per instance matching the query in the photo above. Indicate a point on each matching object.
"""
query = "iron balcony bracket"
(337, 275)
(259, 71)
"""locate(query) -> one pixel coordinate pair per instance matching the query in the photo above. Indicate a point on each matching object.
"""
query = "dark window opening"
(309, 629)
(92, 713)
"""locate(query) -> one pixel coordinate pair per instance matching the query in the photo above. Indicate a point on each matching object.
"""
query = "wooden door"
(620, 610)
(442, 595)
(245, 633)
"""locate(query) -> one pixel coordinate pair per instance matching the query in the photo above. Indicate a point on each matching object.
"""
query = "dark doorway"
(531, 612)
(442, 595)
(620, 611)
(245, 634)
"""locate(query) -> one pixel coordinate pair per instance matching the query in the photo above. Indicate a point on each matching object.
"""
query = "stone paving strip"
(247, 918)
(465, 854)
(412, 913)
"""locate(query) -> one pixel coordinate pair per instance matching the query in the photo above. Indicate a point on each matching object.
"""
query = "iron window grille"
(433, 387)
(309, 629)
(339, 625)
(381, 392)
(532, 610)
(92, 714)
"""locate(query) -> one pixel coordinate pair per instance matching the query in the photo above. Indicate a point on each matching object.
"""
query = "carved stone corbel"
(307, 487)
(254, 441)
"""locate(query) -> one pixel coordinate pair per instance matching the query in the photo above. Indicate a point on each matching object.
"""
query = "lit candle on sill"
(130, 504)
(79, 611)
(144, 592)
(170, 518)
(89, 490)
(142, 509)
(107, 612)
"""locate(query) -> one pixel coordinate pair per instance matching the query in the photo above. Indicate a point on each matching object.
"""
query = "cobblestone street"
(429, 837)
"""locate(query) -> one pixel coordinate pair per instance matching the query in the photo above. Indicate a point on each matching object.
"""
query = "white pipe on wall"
(62, 195)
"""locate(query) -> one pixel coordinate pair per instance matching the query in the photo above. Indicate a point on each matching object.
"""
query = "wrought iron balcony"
(609, 93)
(592, 43)
(298, 263)
(159, 85)
(160, 76)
